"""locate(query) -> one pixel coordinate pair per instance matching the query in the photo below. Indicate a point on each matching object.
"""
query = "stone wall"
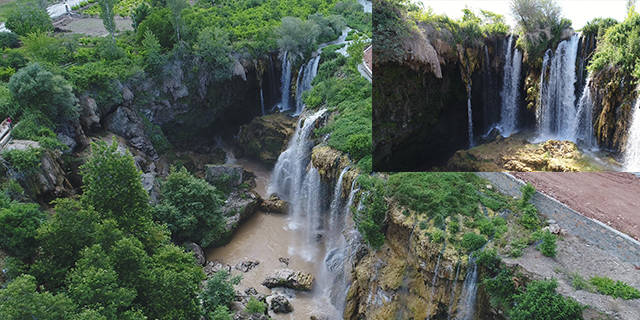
(594, 232)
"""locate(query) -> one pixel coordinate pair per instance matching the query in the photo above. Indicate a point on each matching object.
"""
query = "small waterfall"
(581, 129)
(435, 277)
(286, 82)
(543, 89)
(558, 100)
(335, 224)
(467, 304)
(306, 75)
(510, 93)
(632, 147)
(230, 158)
(469, 111)
(347, 207)
(261, 98)
(453, 291)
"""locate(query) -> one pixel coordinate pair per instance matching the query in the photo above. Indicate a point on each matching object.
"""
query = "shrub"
(9, 40)
(437, 236)
(219, 291)
(454, 227)
(24, 161)
(541, 301)
(516, 247)
(255, 306)
(579, 283)
(18, 225)
(29, 19)
(548, 245)
(486, 227)
(423, 225)
(472, 241)
(616, 289)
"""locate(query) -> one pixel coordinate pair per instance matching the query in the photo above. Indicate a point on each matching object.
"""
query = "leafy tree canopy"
(28, 19)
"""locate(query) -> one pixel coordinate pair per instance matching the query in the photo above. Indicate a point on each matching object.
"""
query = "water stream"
(285, 80)
(510, 89)
(467, 304)
(632, 147)
(453, 292)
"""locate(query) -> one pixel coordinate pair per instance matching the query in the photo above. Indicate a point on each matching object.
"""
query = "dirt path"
(612, 198)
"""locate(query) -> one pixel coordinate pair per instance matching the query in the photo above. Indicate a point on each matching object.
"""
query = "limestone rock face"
(297, 280)
(266, 137)
(89, 114)
(126, 123)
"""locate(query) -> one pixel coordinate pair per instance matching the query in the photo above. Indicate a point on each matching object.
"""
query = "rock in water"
(218, 173)
(198, 253)
(245, 266)
(274, 205)
(266, 137)
(280, 304)
(288, 278)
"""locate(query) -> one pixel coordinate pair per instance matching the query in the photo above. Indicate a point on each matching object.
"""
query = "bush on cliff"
(541, 301)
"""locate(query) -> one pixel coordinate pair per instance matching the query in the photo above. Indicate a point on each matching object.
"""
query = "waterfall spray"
(469, 289)
(510, 93)
(632, 147)
(453, 292)
(286, 82)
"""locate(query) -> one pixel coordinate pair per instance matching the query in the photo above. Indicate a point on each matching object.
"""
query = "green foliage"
(18, 225)
(501, 289)
(453, 227)
(159, 23)
(598, 26)
(36, 127)
(37, 90)
(28, 19)
(541, 301)
(619, 47)
(437, 236)
(153, 58)
(529, 217)
(370, 221)
(214, 48)
(218, 291)
(579, 283)
(388, 27)
(24, 161)
(517, 246)
(616, 289)
(486, 227)
(112, 185)
(9, 40)
(43, 48)
(489, 260)
(176, 7)
(528, 191)
(423, 225)
(21, 300)
(99, 81)
(255, 306)
(472, 241)
(297, 37)
(191, 208)
(107, 14)
(221, 313)
(61, 239)
(548, 245)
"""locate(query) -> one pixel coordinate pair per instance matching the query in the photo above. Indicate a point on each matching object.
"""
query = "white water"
(558, 101)
(453, 291)
(366, 4)
(581, 128)
(509, 110)
(632, 147)
(433, 281)
(285, 80)
(467, 304)
(261, 98)
(305, 76)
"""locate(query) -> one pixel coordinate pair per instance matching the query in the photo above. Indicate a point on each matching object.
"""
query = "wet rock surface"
(289, 278)
(245, 266)
(266, 137)
(274, 205)
(279, 304)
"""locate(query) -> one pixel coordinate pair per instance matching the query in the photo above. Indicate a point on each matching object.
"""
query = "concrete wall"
(592, 231)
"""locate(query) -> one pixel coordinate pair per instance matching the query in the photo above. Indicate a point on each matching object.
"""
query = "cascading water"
(453, 292)
(632, 147)
(581, 129)
(469, 111)
(261, 98)
(306, 75)
(435, 277)
(509, 110)
(469, 289)
(286, 82)
(558, 101)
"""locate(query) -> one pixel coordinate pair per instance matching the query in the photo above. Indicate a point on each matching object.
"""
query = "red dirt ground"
(368, 57)
(609, 197)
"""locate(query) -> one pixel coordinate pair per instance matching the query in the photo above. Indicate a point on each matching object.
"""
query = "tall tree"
(107, 14)
(631, 7)
(176, 7)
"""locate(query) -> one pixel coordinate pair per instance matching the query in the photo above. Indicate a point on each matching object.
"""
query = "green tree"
(176, 7)
(43, 48)
(371, 220)
(159, 22)
(173, 285)
(631, 7)
(191, 208)
(93, 284)
(28, 19)
(37, 90)
(20, 300)
(214, 48)
(541, 301)
(9, 40)
(218, 291)
(112, 186)
(18, 228)
(61, 240)
(153, 58)
(548, 245)
(297, 37)
(107, 15)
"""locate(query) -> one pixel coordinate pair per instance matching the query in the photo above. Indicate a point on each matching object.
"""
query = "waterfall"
(509, 110)
(306, 75)
(435, 277)
(469, 289)
(469, 111)
(261, 98)
(336, 204)
(558, 101)
(453, 292)
(286, 82)
(632, 147)
(581, 129)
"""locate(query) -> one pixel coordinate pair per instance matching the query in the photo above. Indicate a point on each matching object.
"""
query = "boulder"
(279, 304)
(274, 205)
(89, 114)
(240, 205)
(198, 253)
(213, 267)
(266, 137)
(245, 266)
(151, 184)
(297, 280)
(228, 174)
(126, 123)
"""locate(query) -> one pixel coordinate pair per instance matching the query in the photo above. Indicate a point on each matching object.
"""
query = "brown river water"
(267, 237)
